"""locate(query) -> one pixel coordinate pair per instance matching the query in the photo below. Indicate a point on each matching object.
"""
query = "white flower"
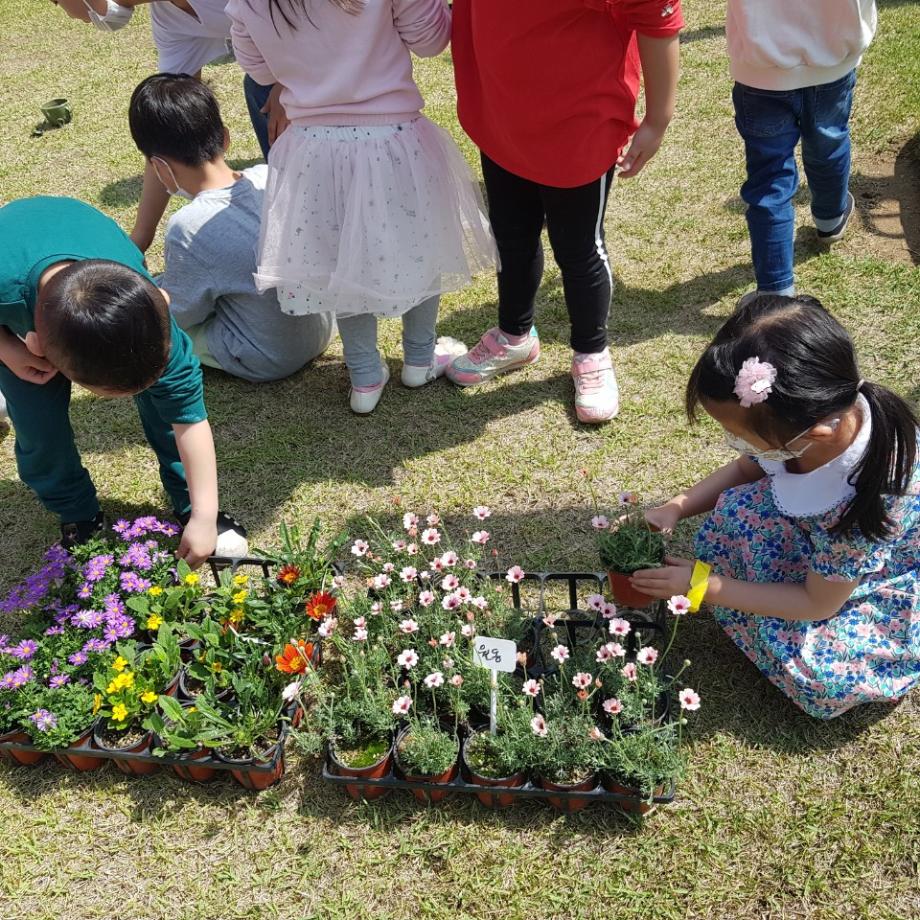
(647, 655)
(360, 635)
(402, 705)
(619, 627)
(447, 639)
(560, 653)
(479, 602)
(450, 602)
(581, 680)
(481, 512)
(338, 581)
(449, 582)
(376, 607)
(689, 699)
(468, 630)
(612, 706)
(290, 691)
(410, 520)
(599, 522)
(450, 559)
(679, 605)
(481, 537)
(531, 687)
(434, 679)
(430, 537)
(360, 622)
(515, 574)
(396, 606)
(408, 574)
(327, 627)
(408, 627)
(399, 545)
(433, 519)
(596, 602)
(457, 680)
(359, 547)
(538, 726)
(388, 567)
(407, 658)
(381, 581)
(426, 598)
(412, 549)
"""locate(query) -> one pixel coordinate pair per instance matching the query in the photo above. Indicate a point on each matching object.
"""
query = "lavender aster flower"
(54, 631)
(7, 682)
(121, 527)
(133, 584)
(44, 721)
(58, 681)
(96, 645)
(21, 676)
(113, 604)
(24, 650)
(85, 590)
(78, 658)
(87, 619)
(96, 568)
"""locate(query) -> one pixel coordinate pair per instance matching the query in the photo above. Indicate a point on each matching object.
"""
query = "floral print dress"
(870, 650)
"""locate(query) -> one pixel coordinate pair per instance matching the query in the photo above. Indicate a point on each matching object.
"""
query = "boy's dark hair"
(817, 376)
(105, 325)
(176, 116)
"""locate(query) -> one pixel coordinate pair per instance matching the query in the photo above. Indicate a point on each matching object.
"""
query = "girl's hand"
(644, 146)
(198, 541)
(663, 583)
(664, 518)
(277, 119)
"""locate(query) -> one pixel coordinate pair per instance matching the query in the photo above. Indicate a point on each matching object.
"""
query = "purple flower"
(54, 631)
(96, 568)
(34, 588)
(113, 604)
(13, 680)
(78, 658)
(58, 681)
(138, 557)
(96, 645)
(85, 590)
(121, 527)
(131, 583)
(87, 619)
(122, 625)
(24, 650)
(6, 682)
(44, 721)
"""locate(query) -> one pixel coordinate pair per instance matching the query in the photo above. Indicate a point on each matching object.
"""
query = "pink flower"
(468, 630)
(582, 680)
(434, 679)
(360, 622)
(596, 602)
(619, 627)
(359, 548)
(549, 619)
(481, 512)
(610, 651)
(412, 549)
(647, 655)
(628, 498)
(408, 574)
(679, 605)
(531, 687)
(388, 567)
(457, 680)
(560, 653)
(538, 726)
(338, 581)
(433, 519)
(450, 559)
(470, 564)
(431, 537)
(689, 699)
(448, 639)
(450, 602)
(381, 581)
(449, 582)
(754, 382)
(479, 602)
(609, 611)
(599, 522)
(399, 546)
(408, 627)
(437, 565)
(596, 734)
(402, 705)
(612, 706)
(396, 606)
(410, 520)
(376, 607)
(408, 658)
(426, 598)
(481, 537)
(629, 671)
(327, 627)
(360, 634)
(515, 574)
(448, 662)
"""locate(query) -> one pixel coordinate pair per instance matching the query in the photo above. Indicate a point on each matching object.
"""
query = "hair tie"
(754, 382)
(860, 385)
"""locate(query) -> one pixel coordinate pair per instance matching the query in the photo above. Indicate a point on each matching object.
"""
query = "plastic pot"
(257, 779)
(23, 758)
(640, 805)
(192, 773)
(77, 760)
(492, 799)
(625, 595)
(568, 804)
(426, 795)
(129, 767)
(376, 770)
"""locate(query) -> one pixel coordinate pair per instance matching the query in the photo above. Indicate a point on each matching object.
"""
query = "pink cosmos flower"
(619, 627)
(457, 680)
(360, 635)
(479, 602)
(463, 594)
(412, 549)
(431, 537)
(596, 734)
(689, 699)
(450, 559)
(407, 658)
(481, 537)
(531, 687)
(360, 548)
(612, 706)
(596, 602)
(582, 680)
(410, 520)
(609, 611)
(408, 627)
(327, 627)
(433, 519)
(468, 630)
(549, 620)
(434, 679)
(647, 655)
(448, 639)
(609, 651)
(600, 522)
(450, 582)
(629, 671)
(396, 606)
(399, 545)
(679, 605)
(437, 565)
(402, 705)
(754, 382)
(481, 512)
(538, 726)
(470, 564)
(450, 602)
(381, 581)
(515, 574)
(426, 598)
(560, 653)
(360, 622)
(376, 607)
(388, 567)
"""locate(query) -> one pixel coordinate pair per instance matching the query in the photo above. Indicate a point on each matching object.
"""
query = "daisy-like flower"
(464, 594)
(437, 565)
(410, 520)
(448, 639)
(295, 658)
(599, 522)
(399, 546)
(360, 635)
(78, 658)
(433, 519)
(629, 671)
(289, 693)
(338, 581)
(407, 658)
(481, 537)
(434, 679)
(619, 627)
(596, 602)
(609, 611)
(58, 681)
(402, 705)
(628, 498)
(448, 662)
(381, 581)
(679, 605)
(389, 568)
(408, 627)
(612, 706)
(426, 598)
(43, 720)
(689, 699)
(450, 602)
(560, 653)
(327, 627)
(538, 726)
(481, 512)
(647, 655)
(450, 559)
(360, 622)
(582, 680)
(468, 630)
(457, 680)
(408, 574)
(531, 687)
(412, 549)
(23, 650)
(609, 651)
(320, 605)
(396, 606)
(470, 564)
(514, 575)
(479, 602)
(431, 537)
(376, 607)
(596, 734)
(450, 582)
(359, 548)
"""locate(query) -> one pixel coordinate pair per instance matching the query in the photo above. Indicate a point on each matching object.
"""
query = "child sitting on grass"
(814, 535)
(76, 305)
(211, 242)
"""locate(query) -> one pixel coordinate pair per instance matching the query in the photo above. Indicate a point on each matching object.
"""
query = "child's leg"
(46, 456)
(768, 122)
(418, 332)
(162, 438)
(256, 97)
(359, 343)
(826, 149)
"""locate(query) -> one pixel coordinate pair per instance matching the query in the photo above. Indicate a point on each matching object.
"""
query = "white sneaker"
(445, 350)
(597, 396)
(364, 399)
(4, 415)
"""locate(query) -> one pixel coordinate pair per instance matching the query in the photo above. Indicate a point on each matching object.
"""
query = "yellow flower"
(97, 702)
(240, 580)
(239, 597)
(119, 664)
(155, 591)
(237, 614)
(112, 688)
(217, 667)
(121, 682)
(191, 709)
(154, 621)
(119, 712)
(191, 579)
(148, 696)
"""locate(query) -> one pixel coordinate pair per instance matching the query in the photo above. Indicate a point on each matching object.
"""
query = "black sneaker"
(835, 235)
(231, 535)
(80, 531)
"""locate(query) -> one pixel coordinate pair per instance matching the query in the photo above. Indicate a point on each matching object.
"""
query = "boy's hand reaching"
(22, 362)
(198, 541)
(277, 118)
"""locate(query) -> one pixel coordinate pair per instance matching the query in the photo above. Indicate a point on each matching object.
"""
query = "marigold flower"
(295, 658)
(287, 575)
(155, 591)
(240, 596)
(320, 605)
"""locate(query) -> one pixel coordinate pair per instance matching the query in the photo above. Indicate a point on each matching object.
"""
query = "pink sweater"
(343, 69)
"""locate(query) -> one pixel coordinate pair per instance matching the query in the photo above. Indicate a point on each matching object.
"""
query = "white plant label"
(495, 654)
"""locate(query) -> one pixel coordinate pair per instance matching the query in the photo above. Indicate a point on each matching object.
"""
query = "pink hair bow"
(754, 382)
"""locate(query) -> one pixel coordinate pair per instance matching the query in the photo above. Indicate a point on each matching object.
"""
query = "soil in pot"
(426, 795)
(132, 740)
(625, 595)
(637, 803)
(23, 758)
(482, 773)
(576, 784)
(372, 760)
(79, 761)
(190, 687)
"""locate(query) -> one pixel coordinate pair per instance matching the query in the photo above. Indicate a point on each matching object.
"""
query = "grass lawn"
(780, 817)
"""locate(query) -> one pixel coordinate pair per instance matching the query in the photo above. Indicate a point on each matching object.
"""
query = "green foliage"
(645, 760)
(630, 546)
(426, 749)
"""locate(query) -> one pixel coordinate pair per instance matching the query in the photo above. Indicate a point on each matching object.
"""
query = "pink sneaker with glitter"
(493, 354)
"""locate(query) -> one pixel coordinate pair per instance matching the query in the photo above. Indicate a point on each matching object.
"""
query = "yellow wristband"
(699, 585)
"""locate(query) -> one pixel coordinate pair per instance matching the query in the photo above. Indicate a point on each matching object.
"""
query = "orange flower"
(320, 605)
(295, 658)
(287, 574)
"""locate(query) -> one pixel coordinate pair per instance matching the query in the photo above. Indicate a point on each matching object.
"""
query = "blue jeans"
(256, 97)
(771, 124)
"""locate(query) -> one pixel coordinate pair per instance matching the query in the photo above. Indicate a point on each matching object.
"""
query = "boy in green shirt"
(77, 305)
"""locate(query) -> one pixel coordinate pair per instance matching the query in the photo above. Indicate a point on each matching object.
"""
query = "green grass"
(780, 817)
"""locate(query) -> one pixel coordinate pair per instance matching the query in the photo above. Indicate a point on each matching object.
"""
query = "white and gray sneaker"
(445, 350)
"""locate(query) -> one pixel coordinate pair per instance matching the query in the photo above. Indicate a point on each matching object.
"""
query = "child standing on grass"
(794, 66)
(370, 208)
(814, 540)
(547, 90)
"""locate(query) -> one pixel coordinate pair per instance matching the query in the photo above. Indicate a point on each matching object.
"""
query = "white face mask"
(775, 454)
(178, 190)
(116, 17)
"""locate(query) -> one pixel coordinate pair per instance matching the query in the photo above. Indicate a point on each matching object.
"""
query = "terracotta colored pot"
(625, 595)
(191, 773)
(567, 804)
(129, 767)
(374, 771)
(637, 804)
(427, 795)
(80, 762)
(491, 799)
(23, 758)
(256, 779)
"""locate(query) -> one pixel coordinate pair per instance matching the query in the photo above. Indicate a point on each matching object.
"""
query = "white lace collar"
(821, 490)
